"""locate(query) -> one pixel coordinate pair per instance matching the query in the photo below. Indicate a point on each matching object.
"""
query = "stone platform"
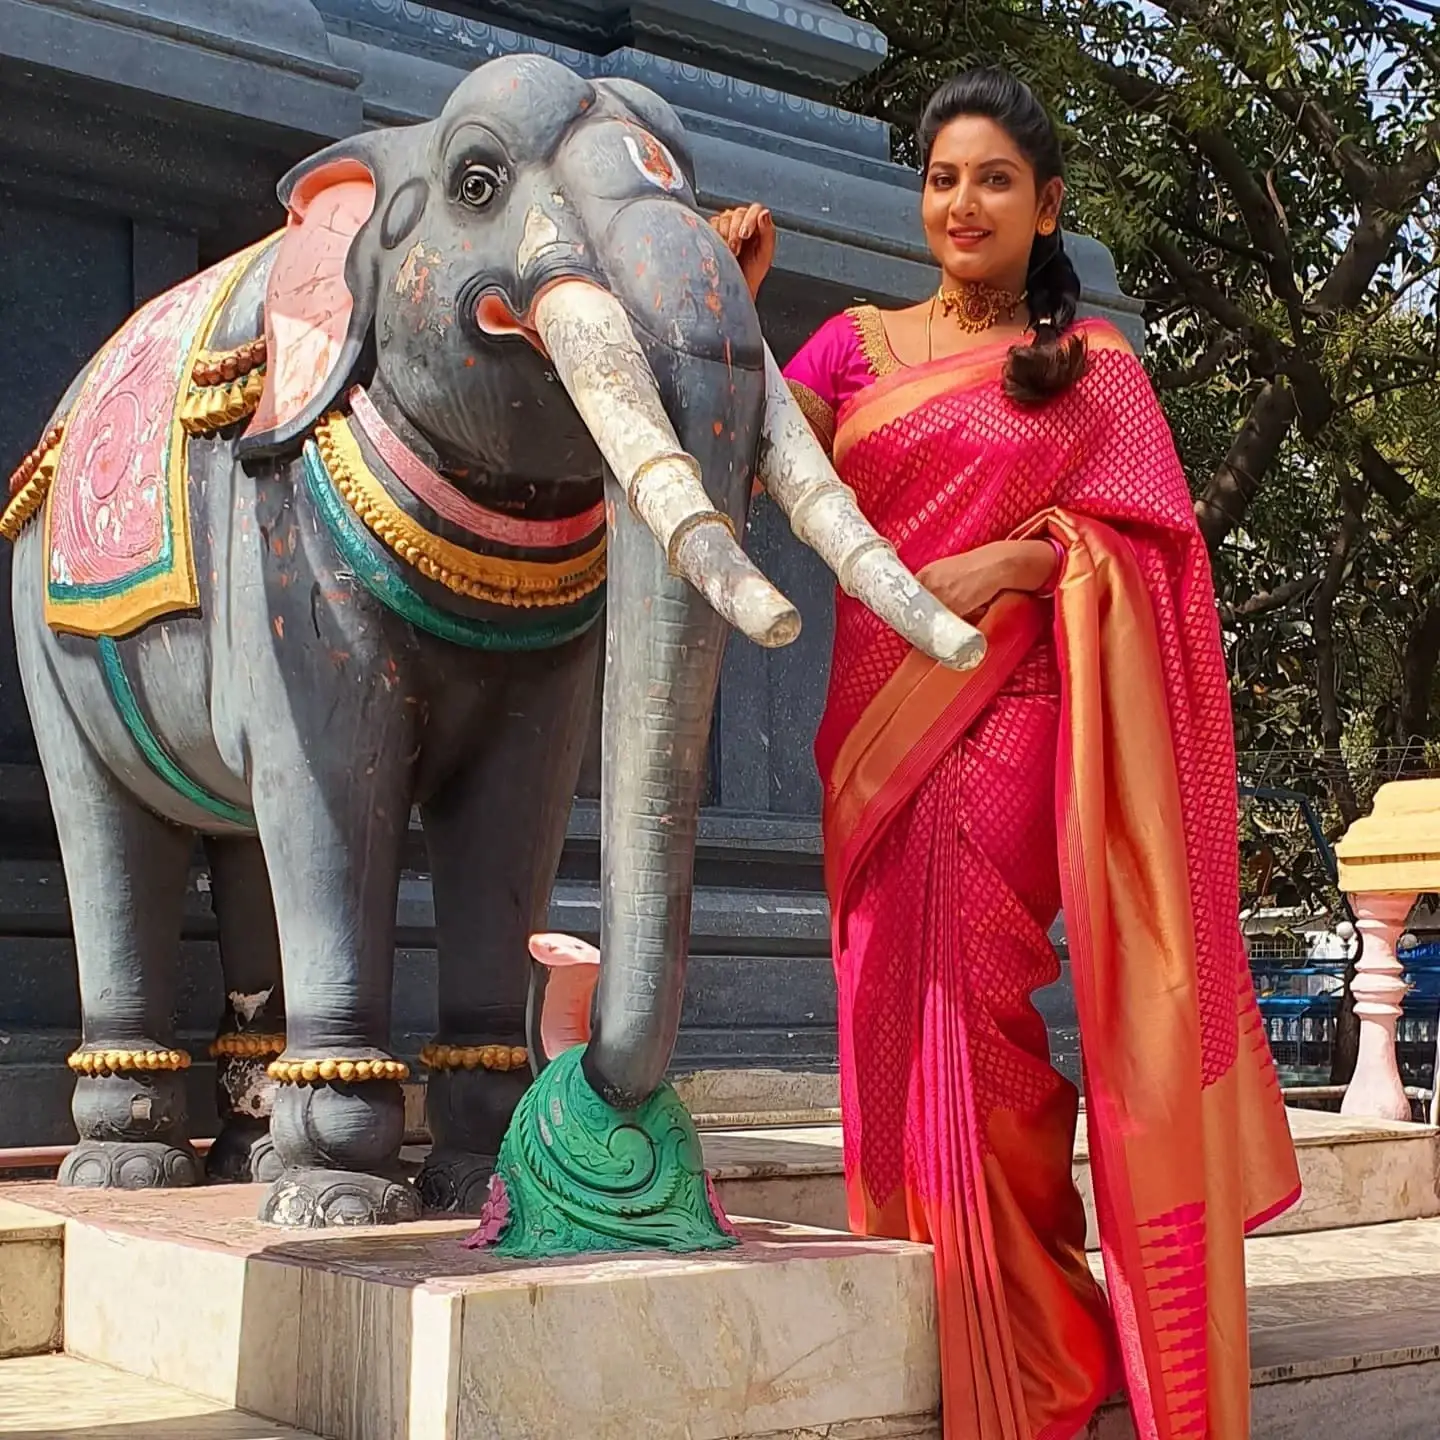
(401, 1334)
(1354, 1172)
(802, 1333)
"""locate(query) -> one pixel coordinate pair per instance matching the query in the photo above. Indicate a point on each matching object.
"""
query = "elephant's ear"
(320, 300)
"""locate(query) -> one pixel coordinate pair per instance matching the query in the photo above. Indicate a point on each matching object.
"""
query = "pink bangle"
(1050, 586)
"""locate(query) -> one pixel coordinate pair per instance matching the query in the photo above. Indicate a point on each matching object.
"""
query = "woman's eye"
(478, 185)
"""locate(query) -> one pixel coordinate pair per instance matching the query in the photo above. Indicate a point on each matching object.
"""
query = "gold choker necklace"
(977, 306)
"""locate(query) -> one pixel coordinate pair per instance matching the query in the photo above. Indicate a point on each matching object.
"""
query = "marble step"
(1354, 1172)
(59, 1396)
(31, 1260)
(1344, 1335)
(403, 1335)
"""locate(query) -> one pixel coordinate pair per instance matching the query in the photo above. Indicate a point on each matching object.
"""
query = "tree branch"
(1228, 493)
(1384, 479)
(1204, 292)
(1216, 353)
(1422, 653)
(1303, 110)
(1265, 601)
(1381, 220)
(1322, 616)
(1208, 237)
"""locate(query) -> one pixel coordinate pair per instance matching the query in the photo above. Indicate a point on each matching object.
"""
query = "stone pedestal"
(1385, 860)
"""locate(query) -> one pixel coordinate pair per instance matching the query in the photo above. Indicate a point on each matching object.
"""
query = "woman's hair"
(1057, 359)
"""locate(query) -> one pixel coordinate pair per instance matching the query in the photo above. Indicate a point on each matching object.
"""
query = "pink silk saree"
(1088, 761)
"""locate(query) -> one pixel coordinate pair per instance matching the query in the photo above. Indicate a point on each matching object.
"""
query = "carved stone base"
(129, 1165)
(243, 1154)
(576, 1176)
(319, 1199)
(455, 1181)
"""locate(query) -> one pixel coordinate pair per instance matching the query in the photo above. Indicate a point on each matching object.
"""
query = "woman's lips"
(968, 239)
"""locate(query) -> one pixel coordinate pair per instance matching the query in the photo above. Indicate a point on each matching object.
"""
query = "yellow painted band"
(489, 578)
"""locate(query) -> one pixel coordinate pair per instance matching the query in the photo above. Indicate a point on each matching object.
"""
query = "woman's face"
(981, 206)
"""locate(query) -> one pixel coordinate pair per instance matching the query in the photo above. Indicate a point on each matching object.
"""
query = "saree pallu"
(1089, 760)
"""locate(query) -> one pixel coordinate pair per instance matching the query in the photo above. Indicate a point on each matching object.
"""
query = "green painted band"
(149, 744)
(390, 588)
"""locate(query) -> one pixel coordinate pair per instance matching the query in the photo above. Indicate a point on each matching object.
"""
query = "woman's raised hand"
(750, 233)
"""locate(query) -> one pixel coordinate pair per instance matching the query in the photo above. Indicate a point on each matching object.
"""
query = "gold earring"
(1047, 225)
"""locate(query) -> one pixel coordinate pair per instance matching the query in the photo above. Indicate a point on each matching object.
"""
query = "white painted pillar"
(1379, 986)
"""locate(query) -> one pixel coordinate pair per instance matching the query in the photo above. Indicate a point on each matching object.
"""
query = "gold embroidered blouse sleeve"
(874, 343)
(816, 411)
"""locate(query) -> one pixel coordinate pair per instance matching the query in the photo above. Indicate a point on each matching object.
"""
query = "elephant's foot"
(339, 1146)
(575, 1175)
(317, 1199)
(130, 1165)
(132, 1127)
(455, 1181)
(468, 1110)
(243, 1154)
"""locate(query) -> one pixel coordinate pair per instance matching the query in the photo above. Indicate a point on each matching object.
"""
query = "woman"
(1018, 460)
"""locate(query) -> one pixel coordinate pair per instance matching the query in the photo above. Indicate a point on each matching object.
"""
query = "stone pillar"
(1385, 860)
(1379, 986)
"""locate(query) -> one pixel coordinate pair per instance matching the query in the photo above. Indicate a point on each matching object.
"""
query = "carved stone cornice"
(266, 61)
(807, 46)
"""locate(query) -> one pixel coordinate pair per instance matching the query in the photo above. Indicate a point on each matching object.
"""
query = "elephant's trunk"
(663, 648)
(666, 612)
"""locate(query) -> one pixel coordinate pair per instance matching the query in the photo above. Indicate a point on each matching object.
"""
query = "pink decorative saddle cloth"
(117, 520)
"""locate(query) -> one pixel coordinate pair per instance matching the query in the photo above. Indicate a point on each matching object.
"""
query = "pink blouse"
(847, 353)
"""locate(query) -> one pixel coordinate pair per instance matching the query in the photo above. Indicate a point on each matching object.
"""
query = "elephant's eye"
(479, 184)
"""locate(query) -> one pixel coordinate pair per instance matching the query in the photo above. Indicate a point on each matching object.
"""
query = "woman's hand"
(750, 233)
(968, 583)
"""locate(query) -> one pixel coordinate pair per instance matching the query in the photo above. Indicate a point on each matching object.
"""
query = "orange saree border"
(918, 714)
(1181, 1169)
(911, 386)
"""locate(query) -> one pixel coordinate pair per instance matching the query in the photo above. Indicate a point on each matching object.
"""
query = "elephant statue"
(337, 528)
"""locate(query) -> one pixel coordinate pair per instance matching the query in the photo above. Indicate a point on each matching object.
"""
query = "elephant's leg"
(494, 837)
(332, 811)
(125, 870)
(252, 1029)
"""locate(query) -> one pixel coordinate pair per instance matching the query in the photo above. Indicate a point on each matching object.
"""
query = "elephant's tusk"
(590, 341)
(823, 513)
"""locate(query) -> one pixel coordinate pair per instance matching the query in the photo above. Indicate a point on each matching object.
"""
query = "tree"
(1267, 177)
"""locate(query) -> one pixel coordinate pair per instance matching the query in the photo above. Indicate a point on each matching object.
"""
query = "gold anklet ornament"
(474, 1057)
(246, 1046)
(112, 1062)
(310, 1072)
